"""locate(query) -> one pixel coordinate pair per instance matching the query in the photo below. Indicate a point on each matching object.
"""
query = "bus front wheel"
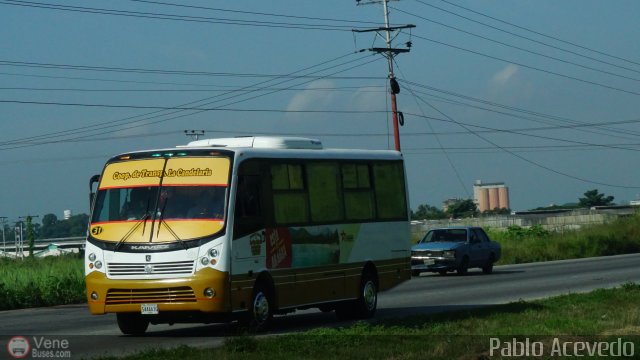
(260, 312)
(132, 323)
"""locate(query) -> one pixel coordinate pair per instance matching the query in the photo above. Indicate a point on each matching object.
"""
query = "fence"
(557, 221)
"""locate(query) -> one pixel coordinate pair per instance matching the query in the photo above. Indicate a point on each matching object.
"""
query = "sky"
(542, 95)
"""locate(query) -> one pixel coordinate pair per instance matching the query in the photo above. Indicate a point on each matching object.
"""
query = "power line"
(168, 83)
(534, 40)
(449, 160)
(528, 66)
(160, 71)
(491, 149)
(196, 108)
(537, 116)
(100, 126)
(542, 34)
(525, 50)
(520, 132)
(155, 114)
(539, 165)
(174, 17)
(213, 88)
(253, 12)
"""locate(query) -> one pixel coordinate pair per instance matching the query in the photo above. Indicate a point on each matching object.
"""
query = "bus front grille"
(142, 296)
(159, 268)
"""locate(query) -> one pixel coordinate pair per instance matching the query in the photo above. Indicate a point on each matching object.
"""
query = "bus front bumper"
(170, 295)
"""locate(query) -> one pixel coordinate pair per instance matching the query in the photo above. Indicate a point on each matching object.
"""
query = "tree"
(462, 209)
(594, 198)
(30, 235)
(428, 212)
(497, 211)
(49, 223)
(53, 228)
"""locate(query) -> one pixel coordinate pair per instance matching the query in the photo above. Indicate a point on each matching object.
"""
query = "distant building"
(449, 202)
(67, 214)
(491, 196)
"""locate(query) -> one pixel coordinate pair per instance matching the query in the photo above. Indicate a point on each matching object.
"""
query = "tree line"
(51, 228)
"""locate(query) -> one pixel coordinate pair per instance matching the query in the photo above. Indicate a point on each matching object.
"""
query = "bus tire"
(260, 314)
(367, 303)
(132, 323)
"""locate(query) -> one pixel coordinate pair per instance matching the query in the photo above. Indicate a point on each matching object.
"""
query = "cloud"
(503, 76)
(313, 100)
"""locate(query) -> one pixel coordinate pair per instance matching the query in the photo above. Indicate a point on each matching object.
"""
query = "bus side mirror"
(92, 194)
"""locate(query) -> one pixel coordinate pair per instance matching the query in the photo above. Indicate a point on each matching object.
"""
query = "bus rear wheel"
(366, 304)
(132, 323)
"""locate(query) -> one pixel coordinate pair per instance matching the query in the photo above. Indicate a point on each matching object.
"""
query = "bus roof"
(262, 142)
(277, 147)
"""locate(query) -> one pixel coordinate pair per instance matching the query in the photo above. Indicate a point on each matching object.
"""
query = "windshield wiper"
(162, 222)
(142, 220)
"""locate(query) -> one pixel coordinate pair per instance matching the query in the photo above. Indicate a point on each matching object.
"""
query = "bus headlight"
(209, 292)
(92, 257)
(98, 264)
(213, 253)
(204, 261)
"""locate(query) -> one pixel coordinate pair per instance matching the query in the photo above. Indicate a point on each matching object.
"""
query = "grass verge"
(602, 315)
(33, 282)
(536, 244)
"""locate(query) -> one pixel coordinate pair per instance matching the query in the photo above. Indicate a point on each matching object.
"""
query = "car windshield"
(446, 235)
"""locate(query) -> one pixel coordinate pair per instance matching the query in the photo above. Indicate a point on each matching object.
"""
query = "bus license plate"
(429, 262)
(149, 309)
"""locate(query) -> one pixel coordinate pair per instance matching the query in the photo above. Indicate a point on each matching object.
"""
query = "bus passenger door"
(249, 224)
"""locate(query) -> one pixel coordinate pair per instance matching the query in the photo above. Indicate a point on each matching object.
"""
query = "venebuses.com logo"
(38, 347)
(18, 347)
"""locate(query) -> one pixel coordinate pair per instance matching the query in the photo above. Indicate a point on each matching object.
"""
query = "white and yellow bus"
(245, 228)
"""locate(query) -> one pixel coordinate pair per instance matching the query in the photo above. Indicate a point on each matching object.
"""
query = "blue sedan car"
(454, 249)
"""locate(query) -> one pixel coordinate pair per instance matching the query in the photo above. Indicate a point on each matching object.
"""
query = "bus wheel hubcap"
(369, 294)
(261, 307)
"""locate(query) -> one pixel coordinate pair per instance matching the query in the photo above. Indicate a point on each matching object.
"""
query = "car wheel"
(132, 323)
(488, 268)
(463, 268)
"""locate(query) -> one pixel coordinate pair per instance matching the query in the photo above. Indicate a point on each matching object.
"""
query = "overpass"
(46, 247)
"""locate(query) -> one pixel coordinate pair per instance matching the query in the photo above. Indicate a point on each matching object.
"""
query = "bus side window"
(248, 217)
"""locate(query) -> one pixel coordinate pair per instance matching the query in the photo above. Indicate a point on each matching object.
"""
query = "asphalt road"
(91, 336)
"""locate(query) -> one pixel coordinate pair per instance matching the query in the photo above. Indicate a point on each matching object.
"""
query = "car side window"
(476, 238)
(482, 235)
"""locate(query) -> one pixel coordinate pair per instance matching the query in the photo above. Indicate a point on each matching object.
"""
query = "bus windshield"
(174, 203)
(161, 199)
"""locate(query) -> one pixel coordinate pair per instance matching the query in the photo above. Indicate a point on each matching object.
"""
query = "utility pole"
(390, 53)
(3, 219)
(18, 240)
